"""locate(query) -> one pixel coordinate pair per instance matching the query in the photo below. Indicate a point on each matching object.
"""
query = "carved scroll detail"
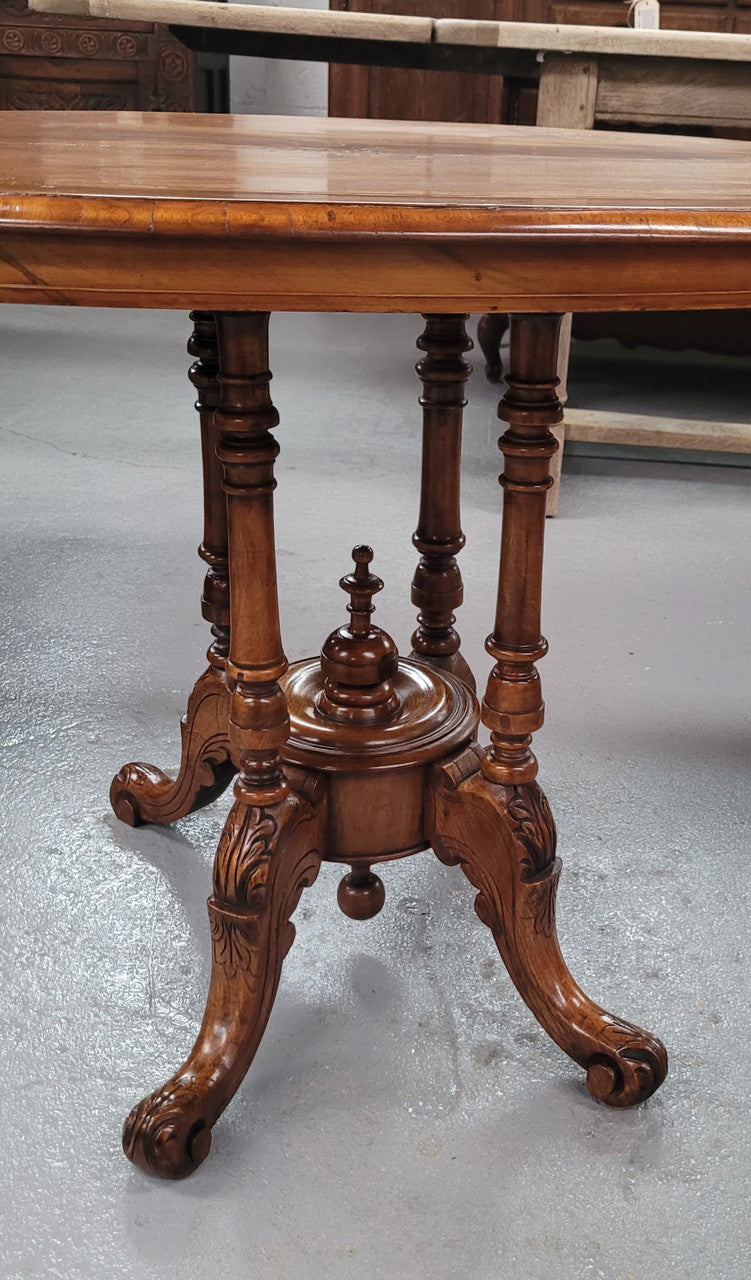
(143, 793)
(156, 1127)
(265, 859)
(504, 839)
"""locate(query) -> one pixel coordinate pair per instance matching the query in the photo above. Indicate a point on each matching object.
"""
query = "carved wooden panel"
(63, 63)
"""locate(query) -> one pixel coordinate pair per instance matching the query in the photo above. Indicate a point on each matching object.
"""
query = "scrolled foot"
(142, 793)
(165, 1135)
(632, 1071)
(266, 857)
(504, 839)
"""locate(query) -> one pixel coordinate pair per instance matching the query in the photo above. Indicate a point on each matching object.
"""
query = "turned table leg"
(437, 588)
(141, 792)
(489, 813)
(269, 850)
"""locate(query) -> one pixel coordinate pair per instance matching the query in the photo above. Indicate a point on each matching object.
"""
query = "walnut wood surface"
(142, 792)
(252, 213)
(488, 812)
(504, 840)
(112, 161)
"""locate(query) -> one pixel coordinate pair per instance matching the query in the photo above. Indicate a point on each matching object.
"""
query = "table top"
(269, 213)
(238, 175)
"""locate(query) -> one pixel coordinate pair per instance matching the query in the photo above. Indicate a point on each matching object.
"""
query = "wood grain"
(575, 38)
(597, 425)
(239, 17)
(259, 213)
(672, 91)
(568, 91)
(571, 37)
(248, 174)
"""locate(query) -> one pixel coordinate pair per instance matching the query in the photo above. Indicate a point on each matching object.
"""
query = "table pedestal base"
(359, 757)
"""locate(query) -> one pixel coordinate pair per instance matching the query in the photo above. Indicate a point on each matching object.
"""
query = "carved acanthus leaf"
(542, 894)
(241, 869)
(534, 828)
(234, 942)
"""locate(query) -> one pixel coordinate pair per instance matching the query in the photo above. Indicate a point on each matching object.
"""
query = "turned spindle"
(437, 588)
(203, 373)
(513, 708)
(141, 792)
(245, 418)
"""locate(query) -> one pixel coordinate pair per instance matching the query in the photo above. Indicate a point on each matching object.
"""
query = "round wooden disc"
(436, 714)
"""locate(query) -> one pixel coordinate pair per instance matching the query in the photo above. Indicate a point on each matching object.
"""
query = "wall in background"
(271, 86)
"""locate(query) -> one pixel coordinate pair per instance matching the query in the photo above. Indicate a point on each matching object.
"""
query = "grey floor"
(404, 1117)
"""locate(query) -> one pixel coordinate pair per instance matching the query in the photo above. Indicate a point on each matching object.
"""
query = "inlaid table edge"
(212, 218)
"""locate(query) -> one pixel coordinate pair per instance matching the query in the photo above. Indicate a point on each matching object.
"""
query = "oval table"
(358, 755)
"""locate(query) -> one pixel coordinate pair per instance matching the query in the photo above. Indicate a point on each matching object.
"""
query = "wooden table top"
(243, 180)
(136, 171)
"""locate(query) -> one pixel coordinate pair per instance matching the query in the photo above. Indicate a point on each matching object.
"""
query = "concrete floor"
(404, 1118)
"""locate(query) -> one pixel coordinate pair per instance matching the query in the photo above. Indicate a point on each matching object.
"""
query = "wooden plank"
(533, 36)
(601, 427)
(351, 52)
(672, 90)
(544, 36)
(252, 17)
(568, 91)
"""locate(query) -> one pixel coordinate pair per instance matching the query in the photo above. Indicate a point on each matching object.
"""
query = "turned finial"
(359, 660)
(361, 586)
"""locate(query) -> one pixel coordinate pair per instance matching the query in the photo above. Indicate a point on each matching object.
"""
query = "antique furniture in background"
(396, 93)
(389, 94)
(670, 79)
(74, 63)
(361, 756)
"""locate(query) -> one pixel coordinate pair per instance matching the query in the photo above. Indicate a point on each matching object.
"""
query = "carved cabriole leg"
(140, 792)
(490, 330)
(269, 848)
(437, 585)
(266, 856)
(489, 814)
